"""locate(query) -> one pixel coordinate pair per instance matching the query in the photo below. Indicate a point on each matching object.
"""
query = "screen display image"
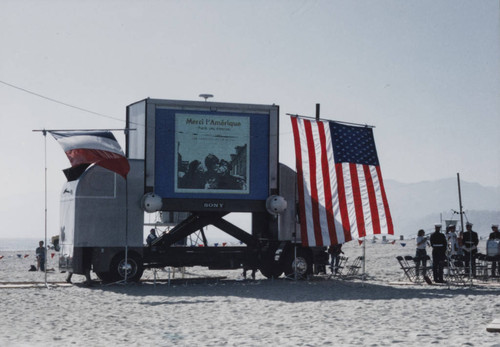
(206, 156)
(212, 154)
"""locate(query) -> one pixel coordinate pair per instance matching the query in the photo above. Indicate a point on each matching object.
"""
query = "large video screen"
(213, 154)
(211, 157)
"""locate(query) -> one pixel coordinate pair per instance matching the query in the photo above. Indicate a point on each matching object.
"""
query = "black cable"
(60, 102)
(81, 108)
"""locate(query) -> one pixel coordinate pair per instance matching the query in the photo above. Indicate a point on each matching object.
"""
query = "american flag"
(341, 192)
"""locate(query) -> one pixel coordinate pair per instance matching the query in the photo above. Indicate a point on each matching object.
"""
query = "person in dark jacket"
(470, 241)
(41, 256)
(335, 252)
(495, 235)
(439, 245)
(151, 237)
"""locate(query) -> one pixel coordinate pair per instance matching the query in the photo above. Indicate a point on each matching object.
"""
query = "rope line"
(61, 102)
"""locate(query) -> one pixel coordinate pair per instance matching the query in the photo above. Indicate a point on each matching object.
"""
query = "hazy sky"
(425, 73)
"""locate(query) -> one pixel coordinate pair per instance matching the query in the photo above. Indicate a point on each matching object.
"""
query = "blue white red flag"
(341, 192)
(93, 147)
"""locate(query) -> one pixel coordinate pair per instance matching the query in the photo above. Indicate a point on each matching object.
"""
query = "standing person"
(470, 242)
(335, 252)
(86, 254)
(451, 237)
(246, 268)
(438, 243)
(460, 240)
(40, 256)
(421, 254)
(151, 237)
(495, 235)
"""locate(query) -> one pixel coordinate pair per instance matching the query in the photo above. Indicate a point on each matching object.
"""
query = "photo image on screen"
(212, 153)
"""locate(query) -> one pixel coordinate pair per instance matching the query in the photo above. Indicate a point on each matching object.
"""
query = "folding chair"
(491, 259)
(338, 271)
(408, 270)
(456, 273)
(353, 269)
(482, 266)
(428, 268)
(424, 271)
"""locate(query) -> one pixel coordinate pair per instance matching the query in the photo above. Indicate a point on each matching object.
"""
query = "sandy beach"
(231, 311)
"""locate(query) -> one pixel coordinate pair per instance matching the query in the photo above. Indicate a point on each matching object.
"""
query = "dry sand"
(236, 312)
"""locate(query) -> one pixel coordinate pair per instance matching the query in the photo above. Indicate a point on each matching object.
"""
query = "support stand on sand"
(5, 285)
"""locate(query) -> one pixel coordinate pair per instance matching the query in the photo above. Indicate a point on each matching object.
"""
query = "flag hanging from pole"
(93, 147)
(341, 192)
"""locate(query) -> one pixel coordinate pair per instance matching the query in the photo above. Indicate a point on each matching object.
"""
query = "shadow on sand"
(289, 291)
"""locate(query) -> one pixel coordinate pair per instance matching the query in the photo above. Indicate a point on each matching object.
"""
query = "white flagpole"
(44, 133)
(364, 258)
(45, 177)
(126, 230)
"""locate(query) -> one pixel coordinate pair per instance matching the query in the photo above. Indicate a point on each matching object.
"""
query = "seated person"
(151, 237)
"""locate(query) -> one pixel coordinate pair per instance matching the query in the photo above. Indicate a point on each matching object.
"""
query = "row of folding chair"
(409, 266)
(453, 272)
(344, 269)
(484, 266)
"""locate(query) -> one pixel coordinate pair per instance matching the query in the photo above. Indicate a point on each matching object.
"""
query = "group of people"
(41, 260)
(215, 175)
(450, 244)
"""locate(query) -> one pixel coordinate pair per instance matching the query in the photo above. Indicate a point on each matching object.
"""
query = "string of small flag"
(224, 244)
(23, 256)
(216, 244)
(393, 242)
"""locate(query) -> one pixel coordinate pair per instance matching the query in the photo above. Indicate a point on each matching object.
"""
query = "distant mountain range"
(420, 205)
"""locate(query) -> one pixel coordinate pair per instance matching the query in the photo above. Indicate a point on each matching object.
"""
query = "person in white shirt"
(451, 237)
(421, 254)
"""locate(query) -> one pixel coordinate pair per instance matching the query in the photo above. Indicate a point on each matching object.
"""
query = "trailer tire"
(303, 260)
(134, 268)
(271, 269)
(106, 277)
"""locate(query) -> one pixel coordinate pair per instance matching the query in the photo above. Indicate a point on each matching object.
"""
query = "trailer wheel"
(302, 262)
(105, 276)
(133, 268)
(271, 269)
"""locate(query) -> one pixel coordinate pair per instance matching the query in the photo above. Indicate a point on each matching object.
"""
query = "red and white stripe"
(91, 148)
(338, 202)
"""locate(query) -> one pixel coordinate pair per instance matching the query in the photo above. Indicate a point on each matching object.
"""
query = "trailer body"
(100, 213)
(202, 160)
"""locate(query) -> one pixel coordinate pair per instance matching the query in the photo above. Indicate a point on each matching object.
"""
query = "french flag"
(93, 147)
